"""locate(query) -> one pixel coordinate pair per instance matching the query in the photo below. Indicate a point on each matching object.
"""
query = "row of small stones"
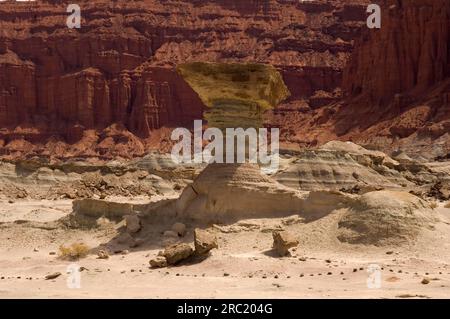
(227, 274)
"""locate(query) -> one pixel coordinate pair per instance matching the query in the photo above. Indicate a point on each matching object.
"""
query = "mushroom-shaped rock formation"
(236, 96)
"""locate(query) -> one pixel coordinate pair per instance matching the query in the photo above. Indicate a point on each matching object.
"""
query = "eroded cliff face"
(396, 86)
(398, 79)
(410, 54)
(110, 89)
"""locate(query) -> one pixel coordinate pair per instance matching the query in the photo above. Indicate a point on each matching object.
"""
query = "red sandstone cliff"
(60, 88)
(110, 89)
(399, 79)
(397, 85)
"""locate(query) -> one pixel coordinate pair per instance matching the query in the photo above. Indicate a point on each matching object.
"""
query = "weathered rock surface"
(283, 241)
(204, 241)
(408, 100)
(341, 166)
(413, 42)
(385, 217)
(103, 90)
(102, 254)
(253, 194)
(158, 262)
(396, 86)
(177, 252)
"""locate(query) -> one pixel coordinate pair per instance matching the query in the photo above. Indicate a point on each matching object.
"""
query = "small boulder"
(177, 252)
(425, 281)
(102, 254)
(52, 276)
(179, 228)
(133, 223)
(283, 241)
(158, 262)
(204, 241)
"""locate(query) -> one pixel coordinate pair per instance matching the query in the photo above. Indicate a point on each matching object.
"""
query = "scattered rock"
(177, 252)
(102, 254)
(204, 241)
(133, 223)
(52, 276)
(179, 228)
(52, 253)
(425, 281)
(283, 241)
(158, 262)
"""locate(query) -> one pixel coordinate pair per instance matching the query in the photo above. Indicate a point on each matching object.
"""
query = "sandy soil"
(244, 266)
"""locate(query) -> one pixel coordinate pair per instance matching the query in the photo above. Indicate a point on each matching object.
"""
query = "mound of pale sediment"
(235, 191)
(385, 217)
(344, 165)
(353, 148)
(331, 170)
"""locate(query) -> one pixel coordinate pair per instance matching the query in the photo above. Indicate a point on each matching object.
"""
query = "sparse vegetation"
(74, 251)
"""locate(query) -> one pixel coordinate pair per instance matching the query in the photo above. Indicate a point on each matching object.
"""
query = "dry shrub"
(74, 251)
(433, 205)
(447, 205)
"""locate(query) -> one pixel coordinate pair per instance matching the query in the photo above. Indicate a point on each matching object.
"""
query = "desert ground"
(401, 225)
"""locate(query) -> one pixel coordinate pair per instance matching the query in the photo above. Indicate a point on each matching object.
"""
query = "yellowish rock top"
(235, 83)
